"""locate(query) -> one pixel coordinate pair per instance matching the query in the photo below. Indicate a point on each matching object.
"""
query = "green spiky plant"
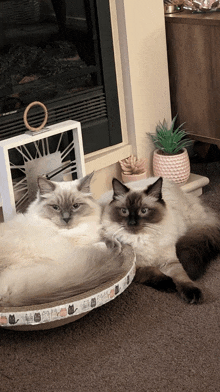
(168, 140)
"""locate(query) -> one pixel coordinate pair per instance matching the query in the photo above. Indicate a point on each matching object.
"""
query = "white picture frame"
(7, 188)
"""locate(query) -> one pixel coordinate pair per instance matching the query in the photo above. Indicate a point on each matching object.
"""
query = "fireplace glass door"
(59, 52)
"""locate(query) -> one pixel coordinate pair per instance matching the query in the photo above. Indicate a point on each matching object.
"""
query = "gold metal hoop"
(35, 103)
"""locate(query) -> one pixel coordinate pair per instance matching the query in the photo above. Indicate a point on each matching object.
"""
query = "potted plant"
(133, 169)
(171, 159)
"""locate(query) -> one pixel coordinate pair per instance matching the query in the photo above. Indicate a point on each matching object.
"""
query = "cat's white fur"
(41, 261)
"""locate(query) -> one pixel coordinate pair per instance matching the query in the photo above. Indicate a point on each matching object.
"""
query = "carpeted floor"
(143, 341)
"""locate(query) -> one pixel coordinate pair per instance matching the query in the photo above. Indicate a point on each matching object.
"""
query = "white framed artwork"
(56, 152)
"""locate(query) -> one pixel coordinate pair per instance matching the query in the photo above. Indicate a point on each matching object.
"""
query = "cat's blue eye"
(124, 211)
(76, 206)
(144, 210)
(55, 207)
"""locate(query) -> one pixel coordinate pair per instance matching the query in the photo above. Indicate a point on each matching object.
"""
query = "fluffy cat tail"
(46, 281)
(103, 265)
(197, 248)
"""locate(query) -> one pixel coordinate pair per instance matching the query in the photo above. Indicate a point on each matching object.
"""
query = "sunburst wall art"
(56, 152)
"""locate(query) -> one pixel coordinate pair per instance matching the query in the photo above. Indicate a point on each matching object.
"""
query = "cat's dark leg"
(153, 277)
(187, 290)
(197, 248)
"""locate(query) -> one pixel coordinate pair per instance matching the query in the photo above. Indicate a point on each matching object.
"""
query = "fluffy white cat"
(53, 250)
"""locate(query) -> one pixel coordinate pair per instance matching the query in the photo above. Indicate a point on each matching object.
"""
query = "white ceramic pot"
(174, 167)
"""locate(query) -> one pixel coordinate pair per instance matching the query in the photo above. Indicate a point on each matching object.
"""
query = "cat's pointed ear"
(119, 188)
(155, 189)
(45, 186)
(84, 183)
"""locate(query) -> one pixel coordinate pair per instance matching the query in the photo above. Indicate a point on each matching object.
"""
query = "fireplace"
(59, 52)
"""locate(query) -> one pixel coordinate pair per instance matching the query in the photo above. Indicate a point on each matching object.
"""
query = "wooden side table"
(193, 44)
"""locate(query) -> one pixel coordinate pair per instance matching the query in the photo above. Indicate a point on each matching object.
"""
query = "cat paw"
(113, 244)
(190, 293)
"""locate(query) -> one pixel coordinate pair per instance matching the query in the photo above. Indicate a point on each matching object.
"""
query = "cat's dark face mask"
(135, 211)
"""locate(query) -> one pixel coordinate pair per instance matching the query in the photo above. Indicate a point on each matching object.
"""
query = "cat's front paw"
(114, 244)
(189, 293)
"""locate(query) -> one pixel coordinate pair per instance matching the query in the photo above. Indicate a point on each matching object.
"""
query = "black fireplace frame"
(96, 108)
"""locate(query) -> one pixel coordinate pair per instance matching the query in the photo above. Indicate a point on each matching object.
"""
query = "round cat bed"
(55, 314)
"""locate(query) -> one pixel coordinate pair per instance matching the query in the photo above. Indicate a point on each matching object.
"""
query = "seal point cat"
(173, 235)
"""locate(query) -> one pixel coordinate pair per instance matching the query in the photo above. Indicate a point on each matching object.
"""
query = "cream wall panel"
(148, 68)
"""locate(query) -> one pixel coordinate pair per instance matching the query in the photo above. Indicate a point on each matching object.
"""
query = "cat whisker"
(152, 228)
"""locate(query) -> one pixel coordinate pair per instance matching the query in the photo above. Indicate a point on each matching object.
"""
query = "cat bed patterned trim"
(59, 313)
